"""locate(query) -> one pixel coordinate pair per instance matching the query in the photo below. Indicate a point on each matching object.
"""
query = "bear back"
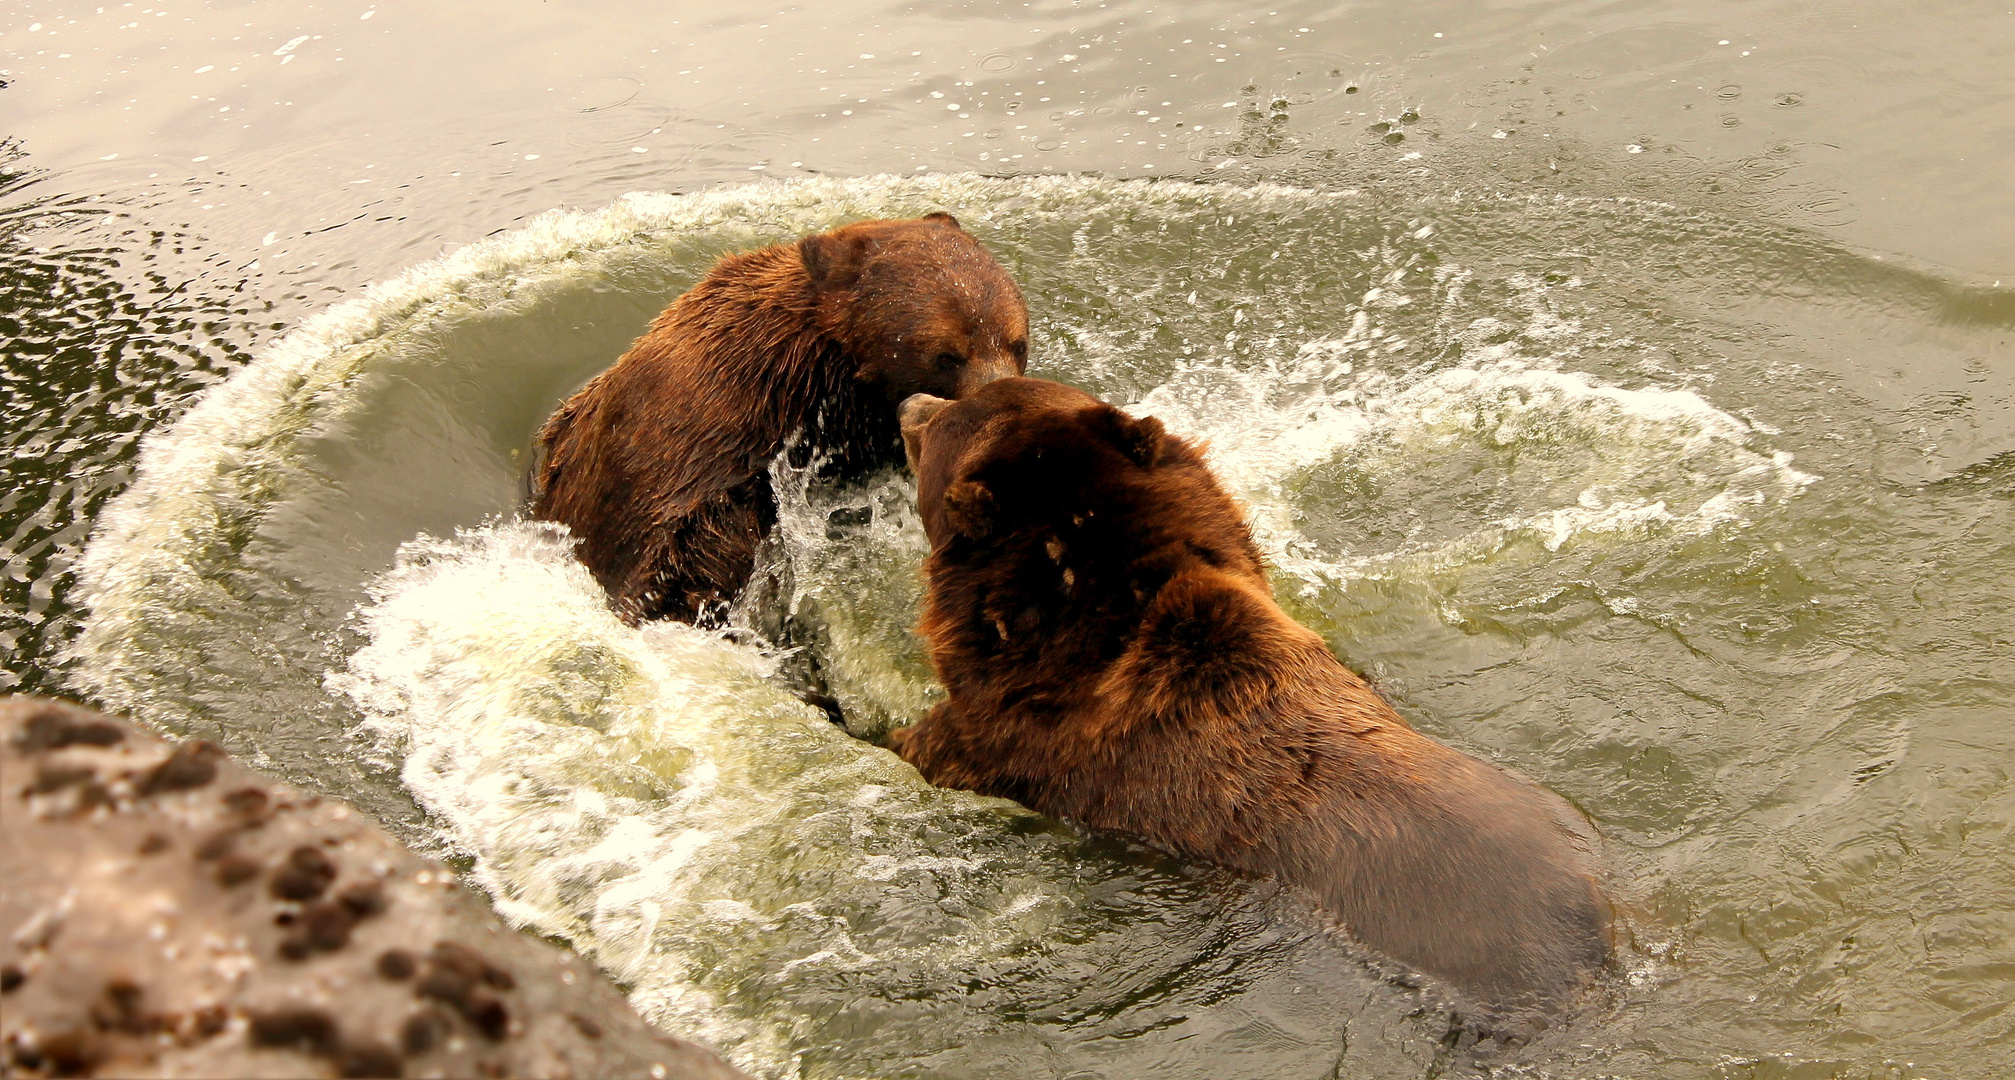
(1102, 620)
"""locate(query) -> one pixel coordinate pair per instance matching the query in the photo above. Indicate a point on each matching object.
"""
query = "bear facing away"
(660, 465)
(1100, 616)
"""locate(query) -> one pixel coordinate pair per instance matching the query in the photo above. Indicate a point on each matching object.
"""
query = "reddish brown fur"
(660, 464)
(1102, 620)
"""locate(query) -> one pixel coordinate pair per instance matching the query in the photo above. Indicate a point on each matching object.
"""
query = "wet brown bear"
(660, 464)
(1099, 613)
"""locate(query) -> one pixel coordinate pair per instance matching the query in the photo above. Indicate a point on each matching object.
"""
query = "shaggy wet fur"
(660, 464)
(1114, 656)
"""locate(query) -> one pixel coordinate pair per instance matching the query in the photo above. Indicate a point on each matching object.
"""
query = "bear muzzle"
(981, 371)
(913, 416)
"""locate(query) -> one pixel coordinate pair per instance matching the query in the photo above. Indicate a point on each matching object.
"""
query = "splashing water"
(1461, 457)
(721, 847)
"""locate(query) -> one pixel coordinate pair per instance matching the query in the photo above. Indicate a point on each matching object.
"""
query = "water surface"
(1662, 458)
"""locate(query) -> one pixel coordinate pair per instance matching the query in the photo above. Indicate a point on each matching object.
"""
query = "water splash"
(653, 796)
(755, 875)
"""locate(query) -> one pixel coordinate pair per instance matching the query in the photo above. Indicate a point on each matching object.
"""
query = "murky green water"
(1676, 477)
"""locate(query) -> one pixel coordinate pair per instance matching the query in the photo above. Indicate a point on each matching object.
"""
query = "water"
(1689, 503)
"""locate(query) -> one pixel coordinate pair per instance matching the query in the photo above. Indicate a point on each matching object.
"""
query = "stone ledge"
(170, 913)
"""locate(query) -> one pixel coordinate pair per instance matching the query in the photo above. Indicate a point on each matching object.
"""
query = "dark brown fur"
(660, 464)
(1102, 620)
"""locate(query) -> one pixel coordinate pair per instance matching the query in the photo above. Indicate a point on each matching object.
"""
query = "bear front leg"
(933, 744)
(701, 560)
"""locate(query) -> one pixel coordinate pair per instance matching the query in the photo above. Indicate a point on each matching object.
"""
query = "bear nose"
(980, 372)
(913, 416)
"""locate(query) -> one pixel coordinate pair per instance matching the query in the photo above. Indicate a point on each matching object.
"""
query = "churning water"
(1588, 486)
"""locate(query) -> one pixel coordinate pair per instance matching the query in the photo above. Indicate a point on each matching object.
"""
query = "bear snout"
(913, 416)
(981, 371)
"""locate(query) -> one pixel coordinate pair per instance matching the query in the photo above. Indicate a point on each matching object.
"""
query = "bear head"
(919, 305)
(1023, 462)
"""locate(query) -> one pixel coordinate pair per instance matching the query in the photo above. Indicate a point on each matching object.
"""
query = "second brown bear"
(1112, 654)
(660, 465)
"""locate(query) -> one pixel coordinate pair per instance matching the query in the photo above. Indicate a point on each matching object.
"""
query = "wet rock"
(130, 946)
(370, 1059)
(236, 870)
(396, 964)
(50, 726)
(189, 765)
(305, 875)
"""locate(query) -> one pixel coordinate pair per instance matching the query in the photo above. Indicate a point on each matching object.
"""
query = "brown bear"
(660, 465)
(1101, 618)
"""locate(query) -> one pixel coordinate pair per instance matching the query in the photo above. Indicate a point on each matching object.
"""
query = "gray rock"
(167, 912)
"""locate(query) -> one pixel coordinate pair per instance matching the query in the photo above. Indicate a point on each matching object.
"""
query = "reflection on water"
(1588, 487)
(102, 339)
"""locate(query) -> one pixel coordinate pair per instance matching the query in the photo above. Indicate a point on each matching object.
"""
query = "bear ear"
(940, 215)
(1140, 440)
(833, 260)
(969, 509)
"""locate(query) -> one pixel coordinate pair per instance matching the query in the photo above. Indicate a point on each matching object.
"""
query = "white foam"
(1267, 428)
(169, 544)
(650, 795)
(859, 579)
(645, 793)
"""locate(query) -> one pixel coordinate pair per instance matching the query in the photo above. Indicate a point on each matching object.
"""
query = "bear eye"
(950, 360)
(1019, 349)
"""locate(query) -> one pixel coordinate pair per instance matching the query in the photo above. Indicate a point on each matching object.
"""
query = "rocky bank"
(169, 913)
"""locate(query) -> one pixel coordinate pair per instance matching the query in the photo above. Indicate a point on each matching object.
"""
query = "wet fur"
(1100, 615)
(659, 465)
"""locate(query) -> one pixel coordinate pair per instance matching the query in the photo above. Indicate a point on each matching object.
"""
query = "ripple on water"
(1481, 460)
(104, 338)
